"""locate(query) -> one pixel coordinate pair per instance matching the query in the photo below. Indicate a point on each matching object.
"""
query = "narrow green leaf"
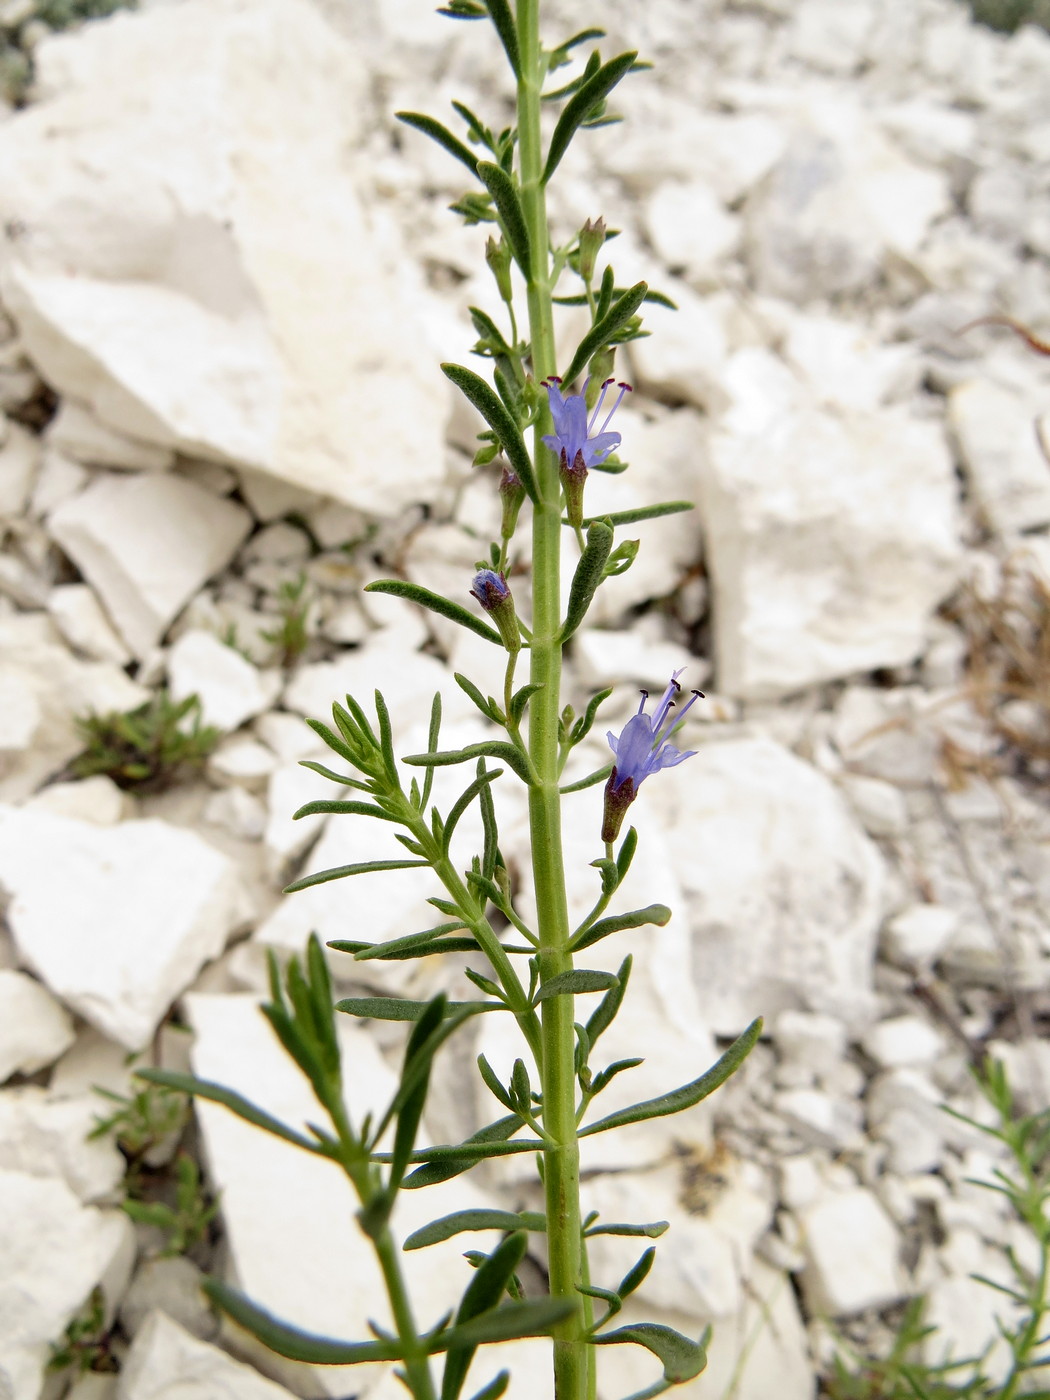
(340, 872)
(290, 1341)
(494, 411)
(603, 332)
(400, 1009)
(503, 22)
(505, 197)
(648, 1232)
(689, 1094)
(604, 1078)
(574, 983)
(658, 914)
(472, 1151)
(495, 1388)
(365, 952)
(521, 698)
(445, 607)
(490, 748)
(432, 743)
(581, 105)
(625, 855)
(536, 1318)
(325, 808)
(433, 1172)
(332, 776)
(481, 1297)
(469, 688)
(441, 134)
(590, 781)
(681, 1358)
(236, 1103)
(412, 1092)
(466, 798)
(386, 737)
(590, 570)
(583, 725)
(636, 1276)
(605, 1012)
(631, 517)
(463, 1221)
(381, 952)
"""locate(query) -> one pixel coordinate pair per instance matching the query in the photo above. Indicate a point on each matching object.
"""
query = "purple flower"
(574, 441)
(641, 748)
(490, 589)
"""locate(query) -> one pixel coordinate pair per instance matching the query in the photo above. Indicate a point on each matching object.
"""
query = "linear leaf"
(658, 914)
(489, 748)
(575, 983)
(590, 570)
(503, 22)
(432, 1172)
(590, 781)
(236, 1103)
(441, 134)
(606, 1010)
(603, 331)
(495, 1388)
(400, 1009)
(290, 1341)
(582, 104)
(445, 607)
(365, 952)
(681, 1358)
(382, 952)
(631, 517)
(481, 1297)
(495, 413)
(462, 1221)
(689, 1094)
(340, 872)
(505, 197)
(325, 807)
(648, 1232)
(532, 1319)
(465, 799)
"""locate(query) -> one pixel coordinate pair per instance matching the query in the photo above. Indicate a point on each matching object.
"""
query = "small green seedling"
(146, 749)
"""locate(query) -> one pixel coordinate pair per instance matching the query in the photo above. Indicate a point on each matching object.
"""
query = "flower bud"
(491, 591)
(592, 240)
(497, 255)
(511, 493)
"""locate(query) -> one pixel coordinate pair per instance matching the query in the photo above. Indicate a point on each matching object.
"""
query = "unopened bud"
(592, 241)
(511, 493)
(491, 591)
(497, 255)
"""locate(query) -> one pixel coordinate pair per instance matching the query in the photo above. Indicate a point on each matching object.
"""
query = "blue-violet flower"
(575, 442)
(641, 748)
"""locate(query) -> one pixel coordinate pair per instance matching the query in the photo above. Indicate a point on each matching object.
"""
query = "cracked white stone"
(231, 690)
(147, 543)
(852, 1254)
(139, 910)
(203, 319)
(47, 1135)
(1007, 468)
(168, 1363)
(35, 1029)
(53, 1251)
(81, 619)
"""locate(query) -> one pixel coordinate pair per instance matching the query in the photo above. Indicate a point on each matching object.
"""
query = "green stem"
(557, 1067)
(359, 1170)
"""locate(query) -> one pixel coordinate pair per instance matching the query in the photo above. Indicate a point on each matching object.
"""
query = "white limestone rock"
(845, 367)
(837, 204)
(180, 286)
(140, 908)
(831, 540)
(690, 228)
(172, 1285)
(230, 688)
(19, 462)
(44, 689)
(80, 618)
(97, 800)
(785, 891)
(34, 1027)
(146, 544)
(684, 357)
(77, 433)
(168, 1363)
(53, 1252)
(852, 1254)
(916, 936)
(880, 807)
(1006, 466)
(45, 1135)
(903, 1040)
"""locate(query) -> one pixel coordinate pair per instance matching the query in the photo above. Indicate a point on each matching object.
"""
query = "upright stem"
(557, 1068)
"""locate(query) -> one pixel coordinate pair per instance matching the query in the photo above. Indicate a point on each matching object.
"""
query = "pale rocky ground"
(227, 278)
